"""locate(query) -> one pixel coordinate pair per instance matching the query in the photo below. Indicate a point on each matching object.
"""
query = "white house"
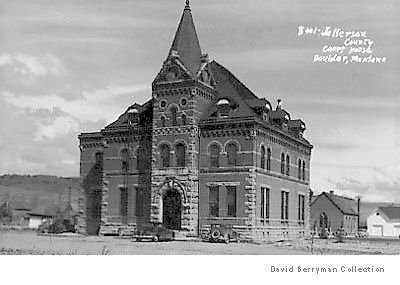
(384, 222)
(39, 216)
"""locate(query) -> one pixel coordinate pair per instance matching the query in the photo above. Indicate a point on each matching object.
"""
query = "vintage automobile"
(153, 232)
(222, 233)
(57, 227)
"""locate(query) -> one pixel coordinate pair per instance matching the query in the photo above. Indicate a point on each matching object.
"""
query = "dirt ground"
(28, 242)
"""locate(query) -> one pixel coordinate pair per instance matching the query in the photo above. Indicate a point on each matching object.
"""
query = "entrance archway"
(172, 209)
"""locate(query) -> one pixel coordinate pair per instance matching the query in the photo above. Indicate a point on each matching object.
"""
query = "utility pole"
(358, 211)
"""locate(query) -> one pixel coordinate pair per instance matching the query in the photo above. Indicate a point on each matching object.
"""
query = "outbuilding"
(384, 222)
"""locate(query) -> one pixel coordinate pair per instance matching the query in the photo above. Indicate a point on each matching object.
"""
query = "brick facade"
(199, 139)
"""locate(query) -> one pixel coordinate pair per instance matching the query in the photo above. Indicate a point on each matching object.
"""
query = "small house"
(332, 212)
(40, 215)
(384, 222)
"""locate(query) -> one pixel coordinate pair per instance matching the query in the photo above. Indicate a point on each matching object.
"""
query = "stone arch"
(98, 150)
(232, 141)
(173, 183)
(221, 147)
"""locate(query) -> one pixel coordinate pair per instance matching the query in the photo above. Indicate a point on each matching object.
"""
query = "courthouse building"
(203, 150)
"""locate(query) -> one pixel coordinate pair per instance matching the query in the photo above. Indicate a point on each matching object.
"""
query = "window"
(299, 169)
(214, 201)
(123, 205)
(284, 206)
(125, 160)
(264, 204)
(165, 155)
(231, 150)
(183, 102)
(173, 115)
(141, 158)
(163, 103)
(183, 118)
(304, 170)
(214, 155)
(139, 202)
(262, 157)
(268, 159)
(180, 155)
(163, 121)
(287, 165)
(231, 200)
(282, 163)
(301, 206)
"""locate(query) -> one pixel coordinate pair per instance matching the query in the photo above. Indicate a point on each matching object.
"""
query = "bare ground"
(28, 242)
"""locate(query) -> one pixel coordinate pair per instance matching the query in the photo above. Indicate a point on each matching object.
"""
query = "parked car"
(57, 227)
(153, 232)
(222, 233)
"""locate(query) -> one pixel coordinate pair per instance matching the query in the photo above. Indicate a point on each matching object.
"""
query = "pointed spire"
(186, 42)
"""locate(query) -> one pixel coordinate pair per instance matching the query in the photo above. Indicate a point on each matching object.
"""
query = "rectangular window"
(123, 205)
(214, 201)
(301, 205)
(139, 202)
(284, 206)
(231, 200)
(264, 203)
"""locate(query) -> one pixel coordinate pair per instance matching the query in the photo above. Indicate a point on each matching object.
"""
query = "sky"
(68, 67)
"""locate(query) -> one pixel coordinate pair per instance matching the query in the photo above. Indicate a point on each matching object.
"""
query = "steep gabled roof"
(345, 205)
(186, 42)
(228, 86)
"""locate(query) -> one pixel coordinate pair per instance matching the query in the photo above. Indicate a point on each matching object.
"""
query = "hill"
(42, 191)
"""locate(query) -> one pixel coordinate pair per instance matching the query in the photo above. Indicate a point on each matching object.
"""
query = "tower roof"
(186, 42)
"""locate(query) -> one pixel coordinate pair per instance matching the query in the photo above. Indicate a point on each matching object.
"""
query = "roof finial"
(187, 4)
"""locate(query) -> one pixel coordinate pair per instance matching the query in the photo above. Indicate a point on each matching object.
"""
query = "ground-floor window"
(301, 205)
(284, 206)
(264, 203)
(214, 201)
(231, 200)
(123, 205)
(139, 202)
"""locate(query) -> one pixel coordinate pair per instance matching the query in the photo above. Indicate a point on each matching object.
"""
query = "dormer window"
(224, 107)
(133, 116)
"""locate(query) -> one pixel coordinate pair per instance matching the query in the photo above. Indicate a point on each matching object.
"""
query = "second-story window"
(287, 165)
(125, 160)
(184, 119)
(165, 155)
(214, 155)
(268, 159)
(232, 150)
(304, 171)
(262, 157)
(282, 163)
(180, 151)
(299, 169)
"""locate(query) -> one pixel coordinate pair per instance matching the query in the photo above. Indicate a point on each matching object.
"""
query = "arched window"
(323, 221)
(304, 170)
(140, 158)
(299, 169)
(262, 157)
(180, 151)
(163, 122)
(214, 155)
(282, 163)
(232, 150)
(125, 160)
(165, 152)
(287, 165)
(268, 159)
(174, 110)
(183, 117)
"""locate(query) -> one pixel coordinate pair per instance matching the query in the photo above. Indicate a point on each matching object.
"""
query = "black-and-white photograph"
(212, 127)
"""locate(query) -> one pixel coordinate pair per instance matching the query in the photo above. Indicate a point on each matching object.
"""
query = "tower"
(182, 91)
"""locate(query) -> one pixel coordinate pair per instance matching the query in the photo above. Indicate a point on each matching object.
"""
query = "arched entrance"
(172, 209)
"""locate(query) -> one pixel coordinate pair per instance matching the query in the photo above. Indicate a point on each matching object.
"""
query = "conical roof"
(186, 42)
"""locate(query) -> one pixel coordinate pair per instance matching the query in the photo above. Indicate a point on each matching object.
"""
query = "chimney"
(279, 106)
(332, 192)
